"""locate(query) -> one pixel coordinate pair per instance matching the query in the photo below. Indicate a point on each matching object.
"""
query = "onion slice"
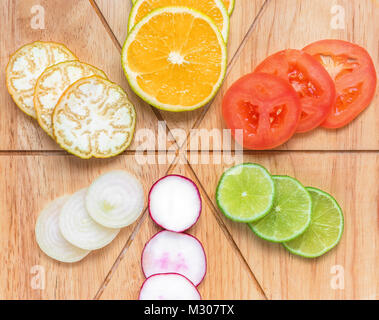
(79, 228)
(49, 237)
(115, 199)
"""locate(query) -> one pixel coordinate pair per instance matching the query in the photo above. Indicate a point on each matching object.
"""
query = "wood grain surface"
(343, 162)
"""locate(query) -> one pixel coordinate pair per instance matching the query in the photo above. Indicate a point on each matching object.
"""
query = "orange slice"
(215, 9)
(175, 59)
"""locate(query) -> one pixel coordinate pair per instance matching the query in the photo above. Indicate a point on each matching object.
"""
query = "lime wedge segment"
(245, 192)
(290, 215)
(325, 230)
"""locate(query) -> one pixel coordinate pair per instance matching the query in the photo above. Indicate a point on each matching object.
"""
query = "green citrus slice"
(325, 229)
(26, 65)
(51, 85)
(291, 212)
(245, 192)
(94, 118)
(175, 59)
(215, 9)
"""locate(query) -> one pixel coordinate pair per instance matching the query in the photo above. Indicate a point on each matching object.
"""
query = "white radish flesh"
(49, 237)
(175, 203)
(169, 286)
(171, 252)
(115, 199)
(79, 228)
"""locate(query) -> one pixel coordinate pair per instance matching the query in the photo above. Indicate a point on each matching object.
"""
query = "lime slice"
(325, 230)
(245, 192)
(290, 215)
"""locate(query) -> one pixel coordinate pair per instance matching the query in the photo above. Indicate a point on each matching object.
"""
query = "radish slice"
(175, 203)
(49, 237)
(171, 252)
(115, 199)
(168, 286)
(79, 228)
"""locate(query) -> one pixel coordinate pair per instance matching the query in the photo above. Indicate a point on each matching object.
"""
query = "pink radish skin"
(171, 252)
(175, 206)
(168, 286)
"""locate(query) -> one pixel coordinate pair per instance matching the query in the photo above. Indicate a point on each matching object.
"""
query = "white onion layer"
(79, 228)
(115, 199)
(49, 237)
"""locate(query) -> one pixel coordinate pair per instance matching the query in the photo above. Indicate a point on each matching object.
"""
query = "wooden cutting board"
(344, 162)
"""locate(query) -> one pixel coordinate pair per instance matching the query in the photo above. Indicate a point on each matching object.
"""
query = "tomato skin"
(265, 107)
(353, 72)
(309, 78)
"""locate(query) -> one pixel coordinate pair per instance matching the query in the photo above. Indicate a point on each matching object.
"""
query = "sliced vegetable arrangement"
(175, 54)
(328, 83)
(173, 262)
(72, 226)
(48, 83)
(307, 221)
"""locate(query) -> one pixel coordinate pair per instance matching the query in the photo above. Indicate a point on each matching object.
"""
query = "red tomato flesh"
(310, 80)
(353, 72)
(265, 107)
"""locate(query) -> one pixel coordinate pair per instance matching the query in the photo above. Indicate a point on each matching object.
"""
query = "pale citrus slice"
(215, 9)
(94, 118)
(175, 59)
(26, 65)
(49, 237)
(51, 85)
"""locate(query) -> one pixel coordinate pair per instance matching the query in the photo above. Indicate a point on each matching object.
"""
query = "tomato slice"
(311, 81)
(265, 107)
(353, 72)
